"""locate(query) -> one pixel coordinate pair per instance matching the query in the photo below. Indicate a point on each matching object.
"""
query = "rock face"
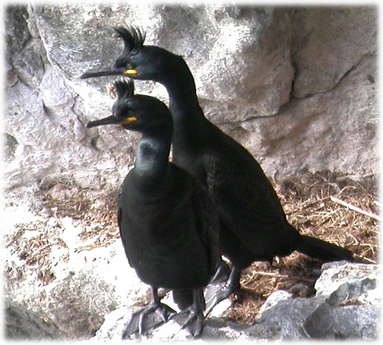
(280, 80)
(296, 86)
(49, 271)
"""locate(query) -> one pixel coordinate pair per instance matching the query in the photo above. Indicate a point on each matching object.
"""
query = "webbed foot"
(192, 318)
(217, 291)
(149, 318)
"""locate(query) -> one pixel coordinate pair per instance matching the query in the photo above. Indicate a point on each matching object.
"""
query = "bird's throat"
(152, 159)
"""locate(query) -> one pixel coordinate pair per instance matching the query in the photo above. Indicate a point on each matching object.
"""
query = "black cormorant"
(167, 221)
(253, 223)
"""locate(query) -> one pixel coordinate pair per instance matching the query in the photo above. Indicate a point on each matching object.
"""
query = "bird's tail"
(322, 250)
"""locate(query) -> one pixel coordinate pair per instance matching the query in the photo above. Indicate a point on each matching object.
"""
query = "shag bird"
(167, 221)
(253, 225)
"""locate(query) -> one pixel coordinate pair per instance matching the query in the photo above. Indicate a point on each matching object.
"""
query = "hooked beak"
(124, 72)
(111, 120)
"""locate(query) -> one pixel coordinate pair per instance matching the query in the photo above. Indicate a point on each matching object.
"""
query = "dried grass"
(307, 201)
(308, 204)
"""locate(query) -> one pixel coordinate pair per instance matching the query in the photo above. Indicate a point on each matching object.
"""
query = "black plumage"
(253, 223)
(167, 221)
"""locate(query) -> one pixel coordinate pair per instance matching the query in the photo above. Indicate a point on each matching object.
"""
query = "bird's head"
(138, 61)
(136, 112)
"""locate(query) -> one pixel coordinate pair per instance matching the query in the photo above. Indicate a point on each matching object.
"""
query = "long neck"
(186, 111)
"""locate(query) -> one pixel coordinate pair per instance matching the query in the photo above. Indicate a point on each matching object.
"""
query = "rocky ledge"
(345, 306)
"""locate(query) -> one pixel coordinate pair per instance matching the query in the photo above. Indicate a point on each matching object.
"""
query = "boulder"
(287, 318)
(22, 324)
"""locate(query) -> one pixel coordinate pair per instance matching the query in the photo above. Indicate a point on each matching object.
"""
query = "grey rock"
(346, 322)
(319, 325)
(22, 324)
(357, 322)
(319, 29)
(283, 318)
(10, 145)
(17, 30)
(343, 283)
(216, 329)
(274, 298)
(80, 286)
(287, 317)
(277, 79)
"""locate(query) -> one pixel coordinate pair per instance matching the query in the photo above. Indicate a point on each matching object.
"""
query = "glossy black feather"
(133, 39)
(168, 223)
(124, 89)
(253, 223)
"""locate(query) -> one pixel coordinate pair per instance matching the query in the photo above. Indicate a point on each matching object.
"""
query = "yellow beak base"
(130, 72)
(130, 120)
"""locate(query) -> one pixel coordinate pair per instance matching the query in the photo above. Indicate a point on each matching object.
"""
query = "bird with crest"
(253, 224)
(168, 223)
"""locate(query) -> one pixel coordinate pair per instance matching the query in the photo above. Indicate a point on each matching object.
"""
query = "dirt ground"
(323, 205)
(333, 207)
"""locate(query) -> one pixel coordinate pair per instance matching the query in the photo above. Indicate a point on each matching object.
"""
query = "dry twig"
(354, 208)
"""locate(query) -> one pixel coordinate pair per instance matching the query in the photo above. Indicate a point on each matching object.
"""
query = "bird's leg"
(195, 320)
(147, 319)
(222, 274)
(219, 295)
(217, 283)
(155, 306)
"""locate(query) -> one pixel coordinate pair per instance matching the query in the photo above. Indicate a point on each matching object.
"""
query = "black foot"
(147, 319)
(191, 320)
(222, 273)
(217, 291)
(215, 295)
(194, 323)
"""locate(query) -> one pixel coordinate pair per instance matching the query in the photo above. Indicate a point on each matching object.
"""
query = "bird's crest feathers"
(133, 39)
(124, 88)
